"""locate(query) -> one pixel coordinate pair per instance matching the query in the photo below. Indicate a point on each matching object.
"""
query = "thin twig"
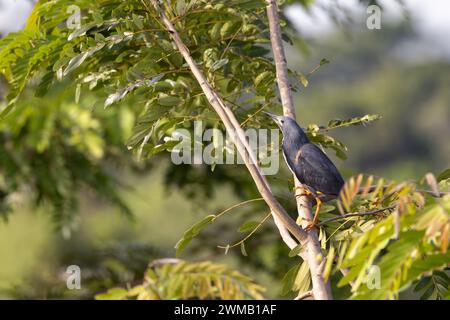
(254, 114)
(357, 214)
(236, 206)
(248, 236)
(229, 43)
(429, 192)
(432, 193)
(304, 295)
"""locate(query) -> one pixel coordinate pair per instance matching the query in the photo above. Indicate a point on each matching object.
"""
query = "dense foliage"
(169, 280)
(59, 148)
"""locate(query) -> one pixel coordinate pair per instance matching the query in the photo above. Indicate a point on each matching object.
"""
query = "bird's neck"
(297, 138)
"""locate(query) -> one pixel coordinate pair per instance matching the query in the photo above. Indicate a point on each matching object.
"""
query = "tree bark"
(313, 252)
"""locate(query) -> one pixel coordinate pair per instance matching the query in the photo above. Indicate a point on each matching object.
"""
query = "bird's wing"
(313, 168)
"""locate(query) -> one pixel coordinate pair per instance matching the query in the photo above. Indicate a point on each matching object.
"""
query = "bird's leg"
(304, 192)
(307, 192)
(316, 215)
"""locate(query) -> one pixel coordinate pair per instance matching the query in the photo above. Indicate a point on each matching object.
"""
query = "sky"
(431, 18)
(13, 14)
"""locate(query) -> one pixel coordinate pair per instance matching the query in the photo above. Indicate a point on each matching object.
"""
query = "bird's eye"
(282, 121)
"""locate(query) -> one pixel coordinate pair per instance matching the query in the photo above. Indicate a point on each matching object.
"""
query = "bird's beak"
(270, 115)
(274, 117)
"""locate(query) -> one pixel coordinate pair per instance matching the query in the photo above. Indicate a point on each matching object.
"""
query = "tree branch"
(236, 133)
(304, 295)
(432, 193)
(357, 214)
(314, 255)
(287, 238)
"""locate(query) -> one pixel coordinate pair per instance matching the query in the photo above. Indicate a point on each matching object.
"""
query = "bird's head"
(289, 127)
(281, 121)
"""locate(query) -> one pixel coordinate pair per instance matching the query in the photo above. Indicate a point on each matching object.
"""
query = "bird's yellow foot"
(310, 226)
(304, 192)
(316, 216)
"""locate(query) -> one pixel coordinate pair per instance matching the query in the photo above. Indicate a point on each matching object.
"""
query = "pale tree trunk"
(313, 252)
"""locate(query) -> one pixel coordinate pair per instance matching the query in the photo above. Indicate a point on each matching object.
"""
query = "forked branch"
(235, 131)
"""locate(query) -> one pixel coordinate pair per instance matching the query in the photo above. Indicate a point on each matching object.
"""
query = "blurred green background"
(368, 74)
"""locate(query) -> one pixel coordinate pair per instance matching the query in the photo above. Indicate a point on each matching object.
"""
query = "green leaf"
(427, 264)
(327, 208)
(137, 20)
(303, 80)
(113, 294)
(192, 232)
(249, 4)
(302, 280)
(437, 285)
(6, 110)
(424, 282)
(248, 226)
(229, 28)
(444, 175)
(169, 101)
(364, 120)
(77, 93)
(254, 100)
(243, 250)
(78, 60)
(215, 31)
(427, 293)
(363, 251)
(81, 31)
(329, 263)
(121, 93)
(262, 77)
(324, 61)
(296, 251)
(199, 226)
(391, 266)
(328, 142)
(218, 64)
(193, 280)
(289, 279)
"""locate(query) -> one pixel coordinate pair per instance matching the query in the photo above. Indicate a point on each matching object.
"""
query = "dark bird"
(308, 163)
